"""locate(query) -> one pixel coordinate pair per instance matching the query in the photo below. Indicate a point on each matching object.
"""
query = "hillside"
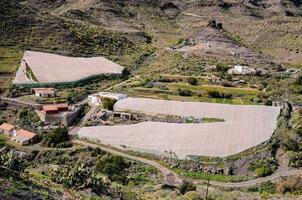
(116, 28)
(193, 62)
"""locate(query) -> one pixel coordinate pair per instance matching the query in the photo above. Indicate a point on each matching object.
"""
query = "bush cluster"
(108, 103)
(216, 94)
(57, 138)
(263, 167)
(185, 92)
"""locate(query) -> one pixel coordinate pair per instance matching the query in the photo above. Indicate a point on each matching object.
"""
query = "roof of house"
(54, 107)
(62, 105)
(7, 127)
(50, 108)
(25, 134)
(44, 90)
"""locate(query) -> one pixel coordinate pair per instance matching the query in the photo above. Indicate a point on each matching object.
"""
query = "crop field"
(243, 128)
(9, 61)
(50, 68)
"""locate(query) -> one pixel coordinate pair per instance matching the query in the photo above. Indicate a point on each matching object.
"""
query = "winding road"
(173, 179)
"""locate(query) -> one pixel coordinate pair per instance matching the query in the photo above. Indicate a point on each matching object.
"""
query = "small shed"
(7, 129)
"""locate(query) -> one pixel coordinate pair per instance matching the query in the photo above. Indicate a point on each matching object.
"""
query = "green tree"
(57, 137)
(185, 92)
(115, 167)
(192, 81)
(187, 187)
(108, 103)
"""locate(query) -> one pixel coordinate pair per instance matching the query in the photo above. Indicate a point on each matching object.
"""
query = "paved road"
(174, 179)
(89, 114)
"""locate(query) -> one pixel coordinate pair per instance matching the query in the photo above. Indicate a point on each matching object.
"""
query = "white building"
(96, 99)
(44, 92)
(239, 69)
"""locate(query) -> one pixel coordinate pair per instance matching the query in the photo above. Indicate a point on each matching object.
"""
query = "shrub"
(115, 167)
(185, 92)
(214, 94)
(222, 68)
(190, 196)
(187, 187)
(268, 187)
(125, 72)
(263, 167)
(192, 81)
(56, 137)
(108, 103)
(295, 159)
(292, 185)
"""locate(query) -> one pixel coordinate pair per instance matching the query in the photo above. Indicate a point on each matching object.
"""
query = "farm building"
(239, 69)
(44, 92)
(24, 137)
(7, 129)
(38, 68)
(55, 108)
(96, 99)
(242, 127)
(59, 113)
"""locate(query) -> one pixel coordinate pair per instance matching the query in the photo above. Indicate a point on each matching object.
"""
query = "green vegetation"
(192, 81)
(295, 159)
(263, 167)
(108, 103)
(185, 92)
(27, 116)
(114, 167)
(209, 120)
(79, 175)
(11, 161)
(212, 177)
(57, 138)
(30, 74)
(263, 188)
(9, 62)
(3, 139)
(187, 187)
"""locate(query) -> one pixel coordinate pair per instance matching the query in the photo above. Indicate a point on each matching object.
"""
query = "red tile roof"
(25, 134)
(7, 127)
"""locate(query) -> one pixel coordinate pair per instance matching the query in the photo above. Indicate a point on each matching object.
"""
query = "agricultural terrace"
(243, 128)
(38, 67)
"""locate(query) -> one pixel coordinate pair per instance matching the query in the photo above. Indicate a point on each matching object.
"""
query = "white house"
(7, 129)
(44, 92)
(24, 137)
(239, 69)
(96, 99)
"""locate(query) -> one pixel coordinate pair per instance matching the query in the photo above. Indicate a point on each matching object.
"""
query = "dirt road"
(171, 178)
(174, 179)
